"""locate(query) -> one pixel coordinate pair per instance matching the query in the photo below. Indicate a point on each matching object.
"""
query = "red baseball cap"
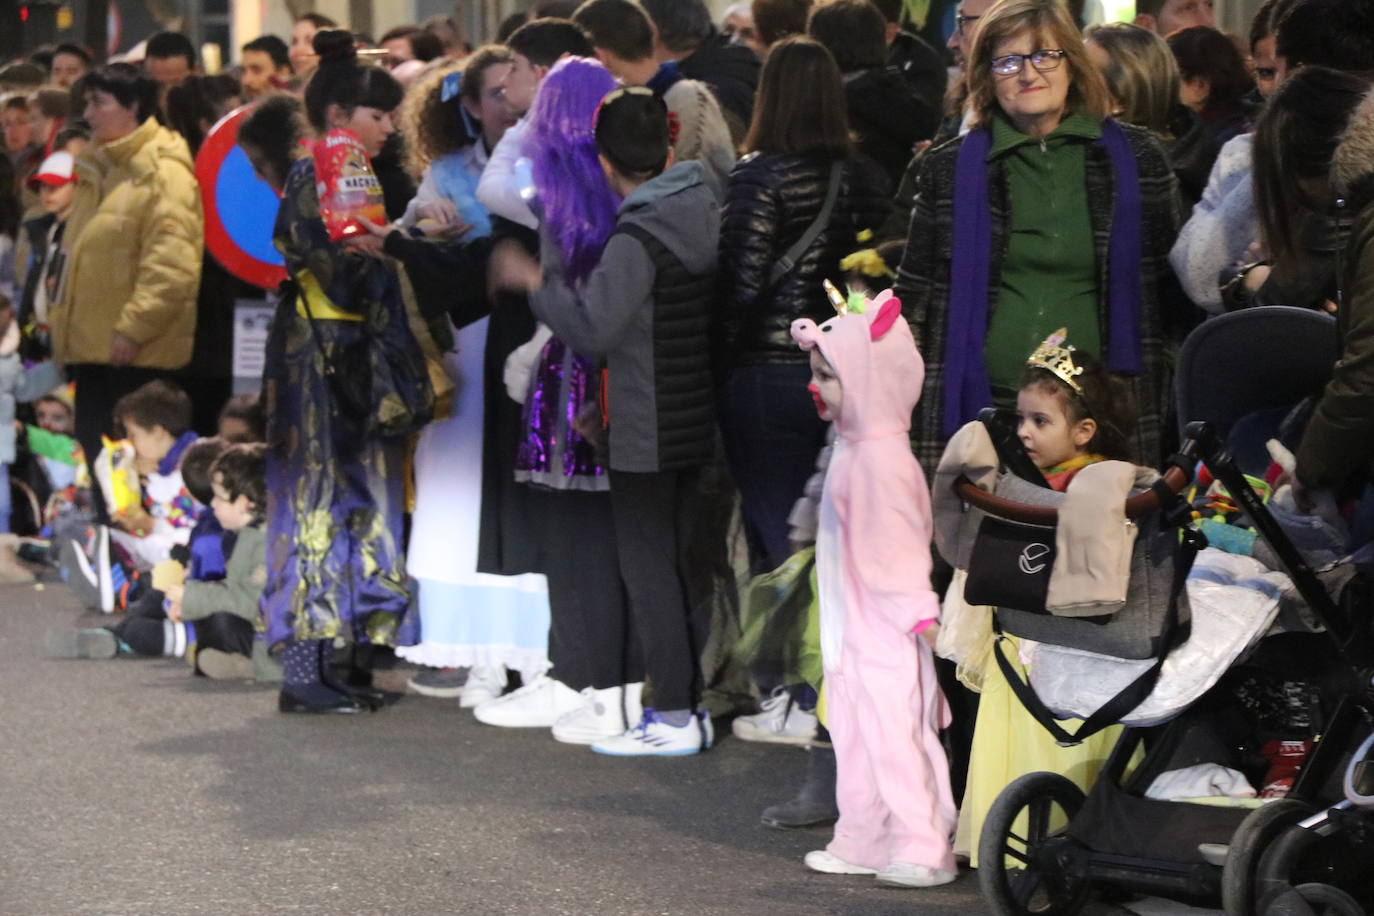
(56, 170)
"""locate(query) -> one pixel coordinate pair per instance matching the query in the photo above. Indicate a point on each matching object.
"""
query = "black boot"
(815, 803)
(356, 684)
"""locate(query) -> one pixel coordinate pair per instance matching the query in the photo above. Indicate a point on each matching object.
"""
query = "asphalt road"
(130, 787)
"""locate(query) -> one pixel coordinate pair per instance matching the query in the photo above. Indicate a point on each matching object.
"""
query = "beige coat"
(135, 240)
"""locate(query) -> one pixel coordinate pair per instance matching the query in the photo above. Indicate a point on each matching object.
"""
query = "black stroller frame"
(1249, 857)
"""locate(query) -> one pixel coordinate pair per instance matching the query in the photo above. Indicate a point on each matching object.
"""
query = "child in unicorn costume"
(884, 707)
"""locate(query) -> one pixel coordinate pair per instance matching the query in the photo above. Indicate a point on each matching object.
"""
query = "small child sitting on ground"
(224, 612)
(107, 571)
(205, 610)
(145, 629)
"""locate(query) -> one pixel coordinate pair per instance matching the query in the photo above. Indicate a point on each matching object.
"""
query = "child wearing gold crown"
(1071, 412)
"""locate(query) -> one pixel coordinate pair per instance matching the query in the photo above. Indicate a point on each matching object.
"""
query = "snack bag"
(346, 184)
(114, 469)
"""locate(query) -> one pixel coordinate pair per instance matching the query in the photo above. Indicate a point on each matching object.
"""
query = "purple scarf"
(967, 389)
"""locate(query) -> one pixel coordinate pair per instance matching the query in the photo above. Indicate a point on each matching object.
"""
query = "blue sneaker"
(653, 737)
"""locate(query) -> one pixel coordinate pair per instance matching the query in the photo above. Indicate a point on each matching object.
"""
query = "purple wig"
(579, 205)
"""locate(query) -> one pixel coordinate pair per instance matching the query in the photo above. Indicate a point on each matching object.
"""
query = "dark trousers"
(772, 437)
(98, 389)
(653, 520)
(591, 641)
(143, 629)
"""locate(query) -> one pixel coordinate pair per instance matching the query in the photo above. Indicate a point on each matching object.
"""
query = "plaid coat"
(923, 278)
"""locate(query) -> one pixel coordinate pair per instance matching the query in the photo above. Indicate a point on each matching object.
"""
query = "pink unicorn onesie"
(873, 571)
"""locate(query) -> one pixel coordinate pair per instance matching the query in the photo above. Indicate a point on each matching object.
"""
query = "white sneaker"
(827, 863)
(781, 722)
(653, 737)
(484, 684)
(538, 704)
(909, 874)
(603, 714)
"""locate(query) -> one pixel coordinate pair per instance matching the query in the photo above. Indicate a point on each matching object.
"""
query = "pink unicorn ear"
(887, 316)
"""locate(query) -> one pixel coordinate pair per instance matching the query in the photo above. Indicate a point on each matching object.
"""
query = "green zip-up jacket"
(238, 592)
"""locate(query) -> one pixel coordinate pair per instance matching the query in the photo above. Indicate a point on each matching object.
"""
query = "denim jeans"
(772, 437)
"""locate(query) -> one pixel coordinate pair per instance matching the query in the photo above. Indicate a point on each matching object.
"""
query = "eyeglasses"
(1043, 60)
(961, 20)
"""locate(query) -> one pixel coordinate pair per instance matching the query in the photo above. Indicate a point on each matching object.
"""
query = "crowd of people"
(623, 353)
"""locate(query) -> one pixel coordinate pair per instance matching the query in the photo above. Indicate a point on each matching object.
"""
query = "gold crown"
(1057, 357)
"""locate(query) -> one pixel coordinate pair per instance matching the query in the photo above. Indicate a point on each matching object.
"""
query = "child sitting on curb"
(146, 526)
(206, 610)
(224, 612)
(145, 629)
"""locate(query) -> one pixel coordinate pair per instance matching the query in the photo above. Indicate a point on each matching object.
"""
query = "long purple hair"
(579, 205)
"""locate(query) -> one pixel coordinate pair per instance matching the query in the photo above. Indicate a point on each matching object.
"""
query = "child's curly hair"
(433, 128)
(1106, 399)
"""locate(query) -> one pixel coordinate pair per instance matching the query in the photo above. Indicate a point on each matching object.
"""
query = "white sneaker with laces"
(603, 714)
(781, 721)
(827, 863)
(909, 874)
(653, 737)
(538, 704)
(484, 684)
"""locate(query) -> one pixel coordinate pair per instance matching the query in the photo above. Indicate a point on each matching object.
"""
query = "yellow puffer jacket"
(135, 240)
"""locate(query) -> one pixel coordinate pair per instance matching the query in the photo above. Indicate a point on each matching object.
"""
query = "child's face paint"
(825, 387)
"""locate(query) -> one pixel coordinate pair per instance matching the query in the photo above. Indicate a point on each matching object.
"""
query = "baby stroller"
(1045, 845)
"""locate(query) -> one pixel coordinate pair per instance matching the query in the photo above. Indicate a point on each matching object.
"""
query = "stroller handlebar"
(1137, 506)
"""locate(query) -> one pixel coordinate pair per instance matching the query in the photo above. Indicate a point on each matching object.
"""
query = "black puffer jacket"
(771, 201)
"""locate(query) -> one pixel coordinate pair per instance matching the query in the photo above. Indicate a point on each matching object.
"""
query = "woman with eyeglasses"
(1048, 214)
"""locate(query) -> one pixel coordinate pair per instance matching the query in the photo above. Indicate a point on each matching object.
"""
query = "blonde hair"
(1141, 74)
(1049, 20)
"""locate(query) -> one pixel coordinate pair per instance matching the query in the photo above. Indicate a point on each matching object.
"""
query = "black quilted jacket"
(771, 200)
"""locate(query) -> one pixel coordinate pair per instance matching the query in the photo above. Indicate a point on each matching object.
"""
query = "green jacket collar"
(1005, 137)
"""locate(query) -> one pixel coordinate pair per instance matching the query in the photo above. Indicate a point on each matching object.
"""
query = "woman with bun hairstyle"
(335, 503)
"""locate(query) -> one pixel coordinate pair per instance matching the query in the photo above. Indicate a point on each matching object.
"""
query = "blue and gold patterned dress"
(335, 499)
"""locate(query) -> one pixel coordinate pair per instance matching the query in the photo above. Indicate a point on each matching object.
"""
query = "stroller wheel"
(1298, 857)
(1023, 865)
(1312, 900)
(1248, 843)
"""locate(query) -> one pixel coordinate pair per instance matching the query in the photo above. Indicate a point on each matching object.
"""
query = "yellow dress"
(1008, 743)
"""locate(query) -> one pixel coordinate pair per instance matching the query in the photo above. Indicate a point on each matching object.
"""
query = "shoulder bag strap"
(789, 258)
(1135, 693)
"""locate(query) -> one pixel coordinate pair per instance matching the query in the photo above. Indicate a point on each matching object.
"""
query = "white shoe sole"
(443, 693)
(827, 864)
(747, 731)
(583, 736)
(936, 878)
(679, 752)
